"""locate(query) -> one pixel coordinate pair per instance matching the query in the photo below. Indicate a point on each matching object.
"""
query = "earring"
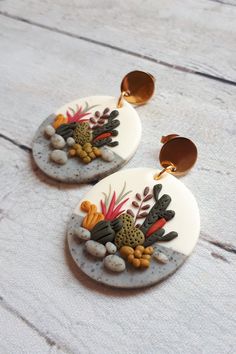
(177, 156)
(89, 138)
(137, 226)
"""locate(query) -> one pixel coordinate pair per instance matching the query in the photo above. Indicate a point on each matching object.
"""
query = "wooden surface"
(53, 53)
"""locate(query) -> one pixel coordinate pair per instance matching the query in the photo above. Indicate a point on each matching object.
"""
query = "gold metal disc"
(137, 87)
(179, 152)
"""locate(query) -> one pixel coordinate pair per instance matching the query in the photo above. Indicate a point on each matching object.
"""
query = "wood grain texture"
(185, 104)
(46, 304)
(185, 34)
(13, 326)
(39, 280)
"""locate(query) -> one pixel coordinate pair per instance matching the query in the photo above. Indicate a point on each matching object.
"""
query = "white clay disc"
(75, 170)
(186, 222)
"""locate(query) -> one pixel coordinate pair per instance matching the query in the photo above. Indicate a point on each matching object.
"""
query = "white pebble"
(49, 130)
(114, 263)
(70, 141)
(57, 141)
(82, 233)
(161, 257)
(96, 249)
(107, 155)
(111, 248)
(59, 157)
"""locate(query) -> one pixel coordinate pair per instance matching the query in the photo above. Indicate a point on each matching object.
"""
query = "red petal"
(69, 116)
(111, 207)
(117, 209)
(103, 207)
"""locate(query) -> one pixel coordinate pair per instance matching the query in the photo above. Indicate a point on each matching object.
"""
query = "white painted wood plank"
(193, 311)
(38, 279)
(16, 336)
(43, 76)
(199, 35)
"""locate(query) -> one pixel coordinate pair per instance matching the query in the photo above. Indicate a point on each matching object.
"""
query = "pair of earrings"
(122, 233)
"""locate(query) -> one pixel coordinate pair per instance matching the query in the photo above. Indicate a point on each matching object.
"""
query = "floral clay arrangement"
(89, 138)
(132, 230)
(83, 135)
(121, 236)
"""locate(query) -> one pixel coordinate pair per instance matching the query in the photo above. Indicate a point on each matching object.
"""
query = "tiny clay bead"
(88, 149)
(96, 151)
(92, 155)
(126, 250)
(72, 152)
(148, 250)
(77, 147)
(137, 254)
(130, 258)
(139, 248)
(82, 154)
(146, 256)
(136, 262)
(86, 159)
(87, 145)
(144, 263)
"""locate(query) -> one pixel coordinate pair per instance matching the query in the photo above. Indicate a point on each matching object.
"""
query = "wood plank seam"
(21, 146)
(119, 49)
(47, 338)
(228, 247)
(220, 172)
(222, 2)
(219, 256)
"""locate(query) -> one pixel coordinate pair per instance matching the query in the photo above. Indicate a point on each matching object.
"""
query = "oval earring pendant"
(131, 231)
(90, 138)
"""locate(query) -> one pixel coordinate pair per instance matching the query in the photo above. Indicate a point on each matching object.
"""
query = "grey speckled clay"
(73, 171)
(131, 277)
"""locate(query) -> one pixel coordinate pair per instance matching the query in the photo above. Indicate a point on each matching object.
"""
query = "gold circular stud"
(137, 87)
(177, 152)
